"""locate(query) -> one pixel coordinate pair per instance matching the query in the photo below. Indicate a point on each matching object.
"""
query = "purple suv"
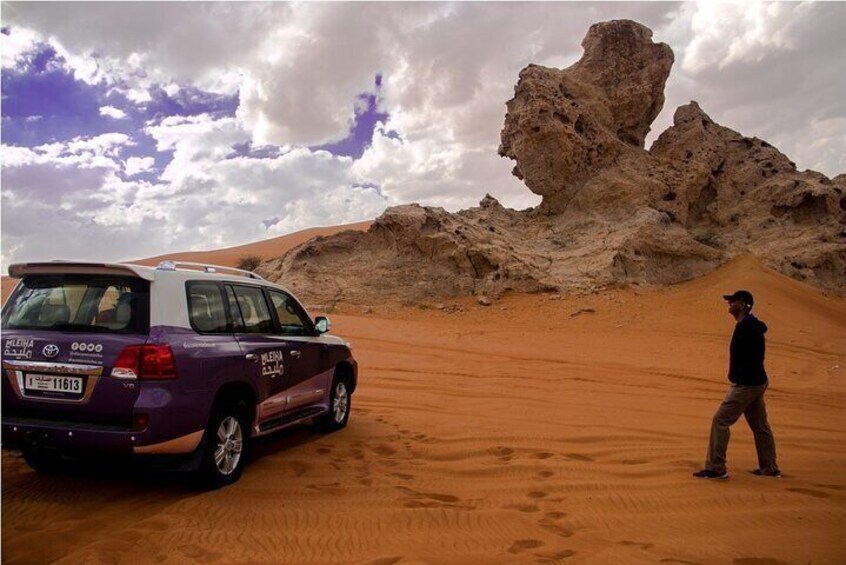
(180, 362)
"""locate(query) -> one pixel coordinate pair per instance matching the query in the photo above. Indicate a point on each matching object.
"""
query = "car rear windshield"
(79, 303)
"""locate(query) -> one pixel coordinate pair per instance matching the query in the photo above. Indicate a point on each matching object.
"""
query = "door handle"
(296, 353)
(251, 357)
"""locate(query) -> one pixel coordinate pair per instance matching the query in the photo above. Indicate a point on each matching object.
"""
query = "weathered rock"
(484, 301)
(744, 196)
(621, 58)
(565, 126)
(418, 253)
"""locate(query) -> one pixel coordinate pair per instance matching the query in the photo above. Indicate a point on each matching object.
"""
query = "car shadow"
(165, 475)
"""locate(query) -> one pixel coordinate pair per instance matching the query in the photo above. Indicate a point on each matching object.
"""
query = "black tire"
(340, 404)
(225, 448)
(43, 462)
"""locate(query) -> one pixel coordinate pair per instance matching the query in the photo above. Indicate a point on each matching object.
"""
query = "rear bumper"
(73, 437)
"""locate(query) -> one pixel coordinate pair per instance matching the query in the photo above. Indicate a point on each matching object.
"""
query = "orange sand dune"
(516, 433)
(265, 249)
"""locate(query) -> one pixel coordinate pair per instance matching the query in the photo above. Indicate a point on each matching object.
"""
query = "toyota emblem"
(50, 350)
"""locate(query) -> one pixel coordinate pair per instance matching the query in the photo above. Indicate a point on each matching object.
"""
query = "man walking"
(746, 395)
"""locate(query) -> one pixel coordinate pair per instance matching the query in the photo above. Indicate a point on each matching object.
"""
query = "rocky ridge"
(612, 213)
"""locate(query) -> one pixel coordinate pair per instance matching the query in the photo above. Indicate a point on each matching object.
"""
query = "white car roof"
(184, 270)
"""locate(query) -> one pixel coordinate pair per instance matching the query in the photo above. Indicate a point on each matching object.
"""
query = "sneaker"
(707, 474)
(762, 473)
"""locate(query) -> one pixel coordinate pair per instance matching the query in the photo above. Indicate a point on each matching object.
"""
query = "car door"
(267, 355)
(308, 378)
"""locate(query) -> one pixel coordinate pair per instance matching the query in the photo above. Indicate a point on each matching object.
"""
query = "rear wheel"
(340, 403)
(225, 442)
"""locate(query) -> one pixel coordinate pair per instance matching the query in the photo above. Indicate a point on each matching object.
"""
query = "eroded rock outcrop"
(741, 194)
(564, 126)
(612, 212)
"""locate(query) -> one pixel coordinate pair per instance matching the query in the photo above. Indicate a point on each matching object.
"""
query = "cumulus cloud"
(136, 45)
(232, 196)
(135, 165)
(206, 197)
(112, 112)
(15, 47)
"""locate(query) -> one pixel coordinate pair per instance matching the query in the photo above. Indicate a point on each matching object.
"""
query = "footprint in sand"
(542, 455)
(537, 494)
(524, 544)
(560, 531)
(432, 500)
(641, 545)
(299, 468)
(523, 507)
(545, 474)
(555, 515)
(831, 487)
(330, 488)
(324, 450)
(503, 453)
(810, 492)
(558, 557)
(384, 450)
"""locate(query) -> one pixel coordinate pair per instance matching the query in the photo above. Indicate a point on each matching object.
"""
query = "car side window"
(292, 320)
(206, 307)
(254, 311)
(234, 311)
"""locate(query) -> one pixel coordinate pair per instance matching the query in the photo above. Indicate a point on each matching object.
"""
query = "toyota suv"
(183, 361)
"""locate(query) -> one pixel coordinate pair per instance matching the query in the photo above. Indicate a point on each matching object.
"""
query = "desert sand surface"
(520, 432)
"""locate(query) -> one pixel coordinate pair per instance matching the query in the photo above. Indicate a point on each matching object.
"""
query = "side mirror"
(322, 324)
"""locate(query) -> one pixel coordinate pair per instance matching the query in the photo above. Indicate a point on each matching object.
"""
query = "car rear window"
(79, 303)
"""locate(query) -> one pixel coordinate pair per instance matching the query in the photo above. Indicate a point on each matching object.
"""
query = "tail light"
(140, 421)
(145, 362)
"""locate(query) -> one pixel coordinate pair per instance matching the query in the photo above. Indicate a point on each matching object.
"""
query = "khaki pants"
(749, 401)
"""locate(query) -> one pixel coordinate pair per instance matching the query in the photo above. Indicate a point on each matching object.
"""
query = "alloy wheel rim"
(340, 403)
(230, 445)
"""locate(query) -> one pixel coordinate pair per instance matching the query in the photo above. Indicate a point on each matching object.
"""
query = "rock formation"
(612, 212)
(565, 126)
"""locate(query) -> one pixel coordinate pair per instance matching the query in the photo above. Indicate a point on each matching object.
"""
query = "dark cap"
(743, 295)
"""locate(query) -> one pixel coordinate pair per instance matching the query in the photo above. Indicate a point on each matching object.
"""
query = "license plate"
(53, 383)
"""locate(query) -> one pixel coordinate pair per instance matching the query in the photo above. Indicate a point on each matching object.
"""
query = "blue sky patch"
(361, 134)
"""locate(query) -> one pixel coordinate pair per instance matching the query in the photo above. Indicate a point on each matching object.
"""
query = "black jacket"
(746, 353)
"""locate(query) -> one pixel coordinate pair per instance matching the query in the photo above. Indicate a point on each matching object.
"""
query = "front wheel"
(340, 403)
(224, 455)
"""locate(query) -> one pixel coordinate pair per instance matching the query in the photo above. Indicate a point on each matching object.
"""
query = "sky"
(135, 129)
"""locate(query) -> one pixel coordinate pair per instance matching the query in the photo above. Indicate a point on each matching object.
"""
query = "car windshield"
(79, 303)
